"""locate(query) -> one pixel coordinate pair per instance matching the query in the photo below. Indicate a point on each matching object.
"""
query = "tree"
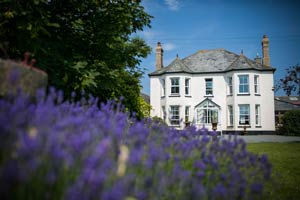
(291, 82)
(82, 45)
(291, 123)
(145, 107)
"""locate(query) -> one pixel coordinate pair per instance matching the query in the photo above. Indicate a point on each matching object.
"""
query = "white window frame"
(230, 115)
(230, 88)
(244, 84)
(174, 115)
(187, 83)
(209, 90)
(205, 113)
(257, 115)
(164, 114)
(244, 114)
(174, 85)
(256, 84)
(187, 113)
(163, 87)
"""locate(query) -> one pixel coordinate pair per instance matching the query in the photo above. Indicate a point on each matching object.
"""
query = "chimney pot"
(257, 59)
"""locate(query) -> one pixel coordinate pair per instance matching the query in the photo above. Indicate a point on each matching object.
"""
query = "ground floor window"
(244, 118)
(187, 113)
(174, 115)
(257, 115)
(164, 114)
(207, 112)
(230, 115)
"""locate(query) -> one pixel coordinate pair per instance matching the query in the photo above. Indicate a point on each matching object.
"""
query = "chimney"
(159, 56)
(257, 59)
(265, 51)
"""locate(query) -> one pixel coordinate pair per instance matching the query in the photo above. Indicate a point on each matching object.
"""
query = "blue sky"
(186, 26)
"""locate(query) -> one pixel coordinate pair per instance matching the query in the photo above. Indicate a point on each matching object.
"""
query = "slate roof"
(285, 103)
(211, 61)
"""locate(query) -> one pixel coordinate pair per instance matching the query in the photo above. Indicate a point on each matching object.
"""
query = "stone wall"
(15, 76)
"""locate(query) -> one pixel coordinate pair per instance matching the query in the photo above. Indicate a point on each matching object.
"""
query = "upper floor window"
(257, 115)
(230, 91)
(187, 86)
(174, 115)
(209, 86)
(230, 115)
(163, 87)
(174, 86)
(256, 84)
(244, 84)
(244, 118)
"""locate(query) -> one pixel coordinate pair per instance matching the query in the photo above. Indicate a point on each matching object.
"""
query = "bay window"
(243, 84)
(174, 115)
(244, 117)
(174, 86)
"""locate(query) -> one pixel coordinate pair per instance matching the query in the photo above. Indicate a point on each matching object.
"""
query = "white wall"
(220, 97)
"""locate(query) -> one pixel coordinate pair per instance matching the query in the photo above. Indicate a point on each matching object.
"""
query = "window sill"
(174, 95)
(189, 96)
(243, 126)
(162, 97)
(229, 95)
(258, 126)
(245, 94)
(208, 95)
(257, 94)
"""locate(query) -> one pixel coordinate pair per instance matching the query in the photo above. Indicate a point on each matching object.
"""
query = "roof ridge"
(184, 65)
(285, 101)
(229, 67)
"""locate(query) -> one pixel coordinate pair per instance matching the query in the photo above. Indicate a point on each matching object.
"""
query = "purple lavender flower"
(256, 188)
(220, 191)
(75, 146)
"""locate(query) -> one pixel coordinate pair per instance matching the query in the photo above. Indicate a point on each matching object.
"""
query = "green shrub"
(159, 120)
(291, 123)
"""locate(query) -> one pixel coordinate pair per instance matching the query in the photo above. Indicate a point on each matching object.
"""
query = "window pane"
(257, 115)
(256, 84)
(174, 115)
(187, 86)
(244, 84)
(209, 86)
(187, 113)
(174, 85)
(230, 115)
(244, 118)
(230, 84)
(163, 86)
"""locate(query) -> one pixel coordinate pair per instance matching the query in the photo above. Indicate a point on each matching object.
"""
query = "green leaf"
(56, 25)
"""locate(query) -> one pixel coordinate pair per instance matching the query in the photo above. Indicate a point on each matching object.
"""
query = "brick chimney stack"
(159, 56)
(265, 51)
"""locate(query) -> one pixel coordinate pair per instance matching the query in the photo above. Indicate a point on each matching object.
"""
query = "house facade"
(217, 89)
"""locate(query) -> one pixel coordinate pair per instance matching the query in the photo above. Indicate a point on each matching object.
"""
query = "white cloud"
(173, 4)
(149, 35)
(168, 46)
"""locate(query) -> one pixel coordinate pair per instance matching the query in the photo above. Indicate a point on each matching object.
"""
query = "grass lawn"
(285, 159)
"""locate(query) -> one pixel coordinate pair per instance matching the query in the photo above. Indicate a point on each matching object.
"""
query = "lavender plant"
(55, 149)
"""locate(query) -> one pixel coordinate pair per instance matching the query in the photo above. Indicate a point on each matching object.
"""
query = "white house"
(215, 86)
